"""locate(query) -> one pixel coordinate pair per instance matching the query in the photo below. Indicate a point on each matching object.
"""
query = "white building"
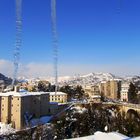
(125, 92)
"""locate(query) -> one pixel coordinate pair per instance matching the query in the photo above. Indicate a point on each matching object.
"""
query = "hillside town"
(69, 70)
(92, 86)
(31, 101)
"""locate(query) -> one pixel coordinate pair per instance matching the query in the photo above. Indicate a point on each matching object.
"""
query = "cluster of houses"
(112, 89)
(19, 107)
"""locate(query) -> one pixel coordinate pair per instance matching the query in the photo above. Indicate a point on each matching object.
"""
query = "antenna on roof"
(55, 42)
(18, 41)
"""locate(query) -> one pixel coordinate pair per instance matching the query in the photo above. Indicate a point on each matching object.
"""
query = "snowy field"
(106, 136)
(6, 129)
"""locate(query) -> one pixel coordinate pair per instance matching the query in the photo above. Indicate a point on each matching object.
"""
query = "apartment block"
(110, 89)
(19, 108)
(125, 91)
(93, 91)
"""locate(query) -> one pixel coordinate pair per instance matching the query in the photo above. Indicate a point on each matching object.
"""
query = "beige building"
(18, 108)
(59, 97)
(110, 89)
(93, 91)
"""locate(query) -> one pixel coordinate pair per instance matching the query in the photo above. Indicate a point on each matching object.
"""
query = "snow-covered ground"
(103, 136)
(42, 120)
(6, 129)
(79, 109)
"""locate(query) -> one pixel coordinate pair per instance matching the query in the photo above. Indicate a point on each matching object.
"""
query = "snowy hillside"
(91, 78)
(88, 79)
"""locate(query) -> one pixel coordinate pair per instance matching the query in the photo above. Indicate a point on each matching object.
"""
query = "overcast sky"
(94, 36)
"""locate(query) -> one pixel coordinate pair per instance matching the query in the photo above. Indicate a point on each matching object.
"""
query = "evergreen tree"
(43, 86)
(132, 93)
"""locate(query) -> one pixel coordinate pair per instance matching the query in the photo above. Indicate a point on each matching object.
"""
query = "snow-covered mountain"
(89, 79)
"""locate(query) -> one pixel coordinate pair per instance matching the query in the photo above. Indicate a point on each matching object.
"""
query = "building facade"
(93, 92)
(59, 97)
(125, 92)
(19, 108)
(110, 89)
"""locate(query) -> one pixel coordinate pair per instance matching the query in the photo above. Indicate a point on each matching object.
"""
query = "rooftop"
(21, 94)
(96, 96)
(26, 93)
(58, 93)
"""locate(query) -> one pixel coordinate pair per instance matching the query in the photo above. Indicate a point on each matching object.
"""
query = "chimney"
(16, 88)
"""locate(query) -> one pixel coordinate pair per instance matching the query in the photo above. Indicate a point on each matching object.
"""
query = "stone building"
(110, 89)
(19, 108)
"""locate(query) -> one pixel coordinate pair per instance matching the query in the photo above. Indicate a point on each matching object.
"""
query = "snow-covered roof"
(96, 96)
(57, 93)
(103, 136)
(21, 94)
(102, 82)
(26, 93)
